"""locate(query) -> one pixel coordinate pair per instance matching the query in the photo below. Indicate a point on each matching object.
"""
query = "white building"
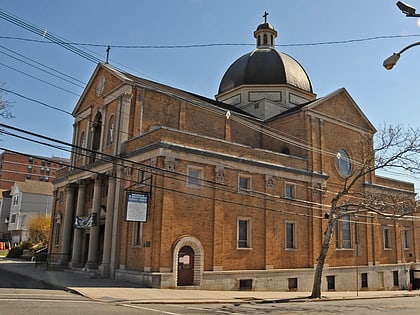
(29, 198)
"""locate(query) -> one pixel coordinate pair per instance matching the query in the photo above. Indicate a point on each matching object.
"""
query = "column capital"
(70, 187)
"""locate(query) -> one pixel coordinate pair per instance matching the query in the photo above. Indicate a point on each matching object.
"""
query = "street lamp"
(390, 62)
(407, 9)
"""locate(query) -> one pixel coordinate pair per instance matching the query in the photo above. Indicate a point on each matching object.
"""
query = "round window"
(343, 162)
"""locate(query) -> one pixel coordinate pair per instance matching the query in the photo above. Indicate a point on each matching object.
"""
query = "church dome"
(265, 65)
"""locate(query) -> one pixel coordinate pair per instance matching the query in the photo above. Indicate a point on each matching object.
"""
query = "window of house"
(395, 279)
(290, 235)
(244, 233)
(364, 278)
(43, 162)
(15, 200)
(387, 239)
(111, 131)
(406, 239)
(343, 233)
(244, 183)
(292, 284)
(13, 219)
(330, 282)
(194, 176)
(29, 168)
(289, 191)
(137, 233)
(31, 159)
(28, 176)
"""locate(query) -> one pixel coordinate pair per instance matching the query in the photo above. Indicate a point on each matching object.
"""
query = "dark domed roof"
(265, 66)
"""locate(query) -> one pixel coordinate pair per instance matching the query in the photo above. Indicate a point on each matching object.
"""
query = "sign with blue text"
(137, 203)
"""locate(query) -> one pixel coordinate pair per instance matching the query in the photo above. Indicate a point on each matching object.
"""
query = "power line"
(45, 66)
(45, 34)
(206, 45)
(36, 101)
(38, 79)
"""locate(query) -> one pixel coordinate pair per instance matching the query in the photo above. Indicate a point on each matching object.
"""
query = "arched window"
(265, 41)
(96, 135)
(111, 131)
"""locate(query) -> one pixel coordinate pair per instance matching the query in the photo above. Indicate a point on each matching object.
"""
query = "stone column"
(76, 260)
(92, 262)
(68, 222)
(104, 267)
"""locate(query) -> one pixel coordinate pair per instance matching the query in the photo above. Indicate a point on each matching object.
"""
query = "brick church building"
(168, 188)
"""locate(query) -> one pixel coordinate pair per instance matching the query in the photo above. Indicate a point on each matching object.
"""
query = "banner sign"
(137, 203)
(83, 222)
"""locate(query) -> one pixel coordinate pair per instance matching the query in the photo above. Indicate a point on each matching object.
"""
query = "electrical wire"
(207, 45)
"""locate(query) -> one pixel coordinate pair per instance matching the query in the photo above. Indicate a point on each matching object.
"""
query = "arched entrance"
(185, 266)
(188, 262)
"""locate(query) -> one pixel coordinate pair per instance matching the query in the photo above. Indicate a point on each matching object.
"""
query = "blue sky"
(353, 62)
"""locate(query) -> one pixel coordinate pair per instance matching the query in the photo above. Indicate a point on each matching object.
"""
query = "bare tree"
(395, 148)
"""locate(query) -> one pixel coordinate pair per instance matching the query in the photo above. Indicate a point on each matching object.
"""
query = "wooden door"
(185, 266)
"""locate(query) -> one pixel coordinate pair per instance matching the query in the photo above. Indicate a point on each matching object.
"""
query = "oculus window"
(343, 162)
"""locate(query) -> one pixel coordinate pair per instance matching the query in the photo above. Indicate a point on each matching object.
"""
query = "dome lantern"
(265, 34)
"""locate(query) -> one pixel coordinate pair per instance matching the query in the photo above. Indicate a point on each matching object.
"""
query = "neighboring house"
(29, 198)
(170, 189)
(5, 202)
(16, 167)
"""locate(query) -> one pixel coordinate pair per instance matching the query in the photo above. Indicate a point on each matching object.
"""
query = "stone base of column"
(90, 265)
(104, 270)
(75, 264)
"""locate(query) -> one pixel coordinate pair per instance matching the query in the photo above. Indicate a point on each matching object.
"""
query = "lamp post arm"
(408, 47)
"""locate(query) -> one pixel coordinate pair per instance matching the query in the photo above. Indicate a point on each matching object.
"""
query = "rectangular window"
(330, 282)
(406, 239)
(289, 191)
(292, 284)
(13, 219)
(290, 235)
(244, 183)
(364, 279)
(28, 176)
(15, 200)
(29, 168)
(387, 239)
(395, 279)
(194, 176)
(137, 233)
(244, 231)
(343, 233)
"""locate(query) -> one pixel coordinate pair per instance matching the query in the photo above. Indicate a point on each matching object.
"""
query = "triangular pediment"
(103, 80)
(339, 106)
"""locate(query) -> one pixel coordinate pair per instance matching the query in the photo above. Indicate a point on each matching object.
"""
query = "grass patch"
(3, 253)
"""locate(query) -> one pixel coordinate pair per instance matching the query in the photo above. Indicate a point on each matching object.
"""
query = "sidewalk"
(116, 291)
